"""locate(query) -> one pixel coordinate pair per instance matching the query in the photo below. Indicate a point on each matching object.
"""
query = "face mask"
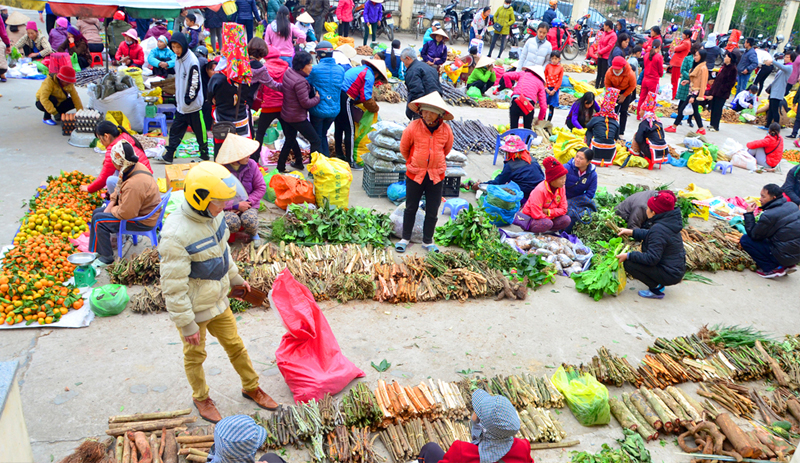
(506, 5)
(129, 42)
(617, 73)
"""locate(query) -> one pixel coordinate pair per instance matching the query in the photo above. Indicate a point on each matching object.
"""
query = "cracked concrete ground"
(132, 363)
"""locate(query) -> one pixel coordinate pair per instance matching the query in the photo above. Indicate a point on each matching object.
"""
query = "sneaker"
(797, 143)
(791, 269)
(777, 272)
(3, 79)
(671, 129)
(793, 135)
(161, 159)
(712, 129)
(57, 117)
(701, 132)
(647, 294)
(49, 121)
(298, 166)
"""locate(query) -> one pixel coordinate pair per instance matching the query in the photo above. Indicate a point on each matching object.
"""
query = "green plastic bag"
(75, 65)
(713, 150)
(585, 396)
(270, 194)
(174, 203)
(474, 92)
(108, 300)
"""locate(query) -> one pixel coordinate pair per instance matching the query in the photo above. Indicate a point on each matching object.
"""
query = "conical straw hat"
(305, 18)
(485, 61)
(378, 65)
(432, 99)
(235, 148)
(442, 33)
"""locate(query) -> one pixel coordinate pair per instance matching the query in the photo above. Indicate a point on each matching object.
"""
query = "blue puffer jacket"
(327, 77)
(247, 9)
(159, 55)
(215, 19)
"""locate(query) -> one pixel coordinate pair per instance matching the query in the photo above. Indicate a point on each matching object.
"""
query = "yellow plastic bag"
(363, 127)
(117, 118)
(333, 38)
(701, 162)
(155, 92)
(635, 161)
(332, 179)
(331, 27)
(568, 142)
(229, 7)
(585, 396)
(136, 75)
(583, 87)
(695, 192)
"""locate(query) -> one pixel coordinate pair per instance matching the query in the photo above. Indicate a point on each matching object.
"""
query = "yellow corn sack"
(332, 179)
(568, 142)
(331, 27)
(332, 37)
(136, 75)
(701, 162)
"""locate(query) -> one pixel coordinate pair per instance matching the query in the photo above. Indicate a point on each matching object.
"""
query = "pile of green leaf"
(633, 451)
(737, 336)
(333, 225)
(602, 277)
(514, 265)
(469, 230)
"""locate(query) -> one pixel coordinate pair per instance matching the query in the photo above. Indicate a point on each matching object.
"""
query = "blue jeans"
(741, 82)
(639, 79)
(248, 25)
(760, 252)
(321, 126)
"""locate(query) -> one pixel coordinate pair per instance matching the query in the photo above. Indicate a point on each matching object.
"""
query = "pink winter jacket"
(606, 43)
(531, 86)
(345, 11)
(284, 46)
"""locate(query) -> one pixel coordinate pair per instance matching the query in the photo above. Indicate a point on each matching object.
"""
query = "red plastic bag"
(308, 357)
(291, 190)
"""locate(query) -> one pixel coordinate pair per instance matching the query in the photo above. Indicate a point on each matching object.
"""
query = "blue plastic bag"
(397, 191)
(677, 162)
(502, 202)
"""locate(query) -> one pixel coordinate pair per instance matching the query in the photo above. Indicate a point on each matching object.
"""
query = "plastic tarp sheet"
(137, 9)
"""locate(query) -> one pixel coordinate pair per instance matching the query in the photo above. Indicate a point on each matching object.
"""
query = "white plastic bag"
(129, 101)
(743, 160)
(147, 46)
(688, 111)
(397, 222)
(730, 146)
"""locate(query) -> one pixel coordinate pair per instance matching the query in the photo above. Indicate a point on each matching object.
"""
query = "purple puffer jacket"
(58, 35)
(296, 97)
(253, 182)
(373, 12)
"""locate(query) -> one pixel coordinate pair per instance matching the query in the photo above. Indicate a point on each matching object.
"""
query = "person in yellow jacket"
(197, 273)
(57, 95)
(504, 16)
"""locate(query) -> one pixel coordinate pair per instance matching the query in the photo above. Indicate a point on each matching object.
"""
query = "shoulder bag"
(221, 129)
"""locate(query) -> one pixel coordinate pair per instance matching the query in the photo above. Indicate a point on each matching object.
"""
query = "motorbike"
(331, 16)
(467, 15)
(636, 35)
(450, 21)
(581, 32)
(385, 26)
(423, 22)
(565, 42)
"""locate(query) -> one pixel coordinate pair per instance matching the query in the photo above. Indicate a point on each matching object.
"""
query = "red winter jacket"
(466, 452)
(543, 197)
(773, 147)
(272, 100)
(606, 43)
(679, 53)
(530, 86)
(134, 52)
(425, 152)
(653, 68)
(649, 43)
(344, 12)
(108, 166)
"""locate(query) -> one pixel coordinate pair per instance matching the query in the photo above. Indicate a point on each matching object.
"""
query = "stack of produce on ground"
(304, 224)
(404, 441)
(457, 96)
(792, 155)
(456, 161)
(521, 390)
(402, 90)
(385, 93)
(432, 399)
(61, 221)
(364, 50)
(716, 250)
(473, 136)
(568, 257)
(149, 300)
(566, 99)
(632, 450)
(384, 148)
(141, 269)
(89, 76)
(605, 277)
(582, 68)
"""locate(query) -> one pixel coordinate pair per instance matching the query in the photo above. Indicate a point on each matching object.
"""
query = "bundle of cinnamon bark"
(433, 400)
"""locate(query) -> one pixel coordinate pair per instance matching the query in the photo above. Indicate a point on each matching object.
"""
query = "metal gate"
(632, 11)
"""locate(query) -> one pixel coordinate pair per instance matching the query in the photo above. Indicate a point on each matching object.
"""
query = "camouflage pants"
(246, 222)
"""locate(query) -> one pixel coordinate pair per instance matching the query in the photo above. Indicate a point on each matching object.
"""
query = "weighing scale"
(151, 109)
(84, 273)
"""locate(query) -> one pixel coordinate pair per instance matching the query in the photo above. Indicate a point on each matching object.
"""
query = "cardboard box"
(176, 175)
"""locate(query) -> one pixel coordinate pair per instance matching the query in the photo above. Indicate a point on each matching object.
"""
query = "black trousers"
(796, 125)
(290, 130)
(773, 112)
(178, 130)
(264, 121)
(367, 27)
(717, 105)
(161, 72)
(344, 29)
(95, 47)
(760, 252)
(502, 44)
(622, 110)
(761, 77)
(651, 276)
(343, 129)
(50, 21)
(433, 199)
(102, 226)
(695, 106)
(430, 453)
(515, 113)
(61, 108)
(482, 86)
(602, 68)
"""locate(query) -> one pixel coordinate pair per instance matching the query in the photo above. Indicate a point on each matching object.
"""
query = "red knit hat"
(553, 169)
(66, 74)
(664, 201)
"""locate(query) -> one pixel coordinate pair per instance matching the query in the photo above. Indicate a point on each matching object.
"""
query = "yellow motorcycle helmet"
(209, 181)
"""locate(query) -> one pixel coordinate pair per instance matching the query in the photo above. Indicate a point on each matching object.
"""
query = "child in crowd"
(192, 30)
(553, 74)
(546, 208)
(162, 58)
(633, 59)
(745, 99)
(769, 150)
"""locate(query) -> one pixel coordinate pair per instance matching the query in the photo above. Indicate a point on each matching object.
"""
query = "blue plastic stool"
(152, 233)
(168, 110)
(159, 119)
(455, 205)
(724, 167)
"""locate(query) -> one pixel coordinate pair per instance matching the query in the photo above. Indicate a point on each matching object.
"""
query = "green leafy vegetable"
(737, 336)
(602, 277)
(468, 230)
(333, 225)
(383, 366)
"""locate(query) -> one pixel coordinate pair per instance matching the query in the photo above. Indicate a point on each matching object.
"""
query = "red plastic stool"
(97, 59)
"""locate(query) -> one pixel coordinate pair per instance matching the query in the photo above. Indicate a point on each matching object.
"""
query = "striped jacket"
(197, 268)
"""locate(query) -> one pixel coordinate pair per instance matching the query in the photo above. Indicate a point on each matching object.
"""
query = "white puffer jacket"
(197, 268)
(533, 54)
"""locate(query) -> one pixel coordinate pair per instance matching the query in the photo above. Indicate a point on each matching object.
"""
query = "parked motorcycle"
(423, 22)
(385, 26)
(581, 32)
(450, 21)
(565, 43)
(467, 15)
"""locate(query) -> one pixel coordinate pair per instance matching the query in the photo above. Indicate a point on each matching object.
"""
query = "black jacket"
(421, 79)
(792, 185)
(662, 245)
(634, 209)
(652, 135)
(215, 19)
(779, 223)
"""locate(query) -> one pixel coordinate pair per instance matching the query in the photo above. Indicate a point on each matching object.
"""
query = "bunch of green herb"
(469, 230)
(598, 226)
(332, 225)
(633, 445)
(516, 266)
(601, 278)
(687, 208)
(605, 455)
(737, 336)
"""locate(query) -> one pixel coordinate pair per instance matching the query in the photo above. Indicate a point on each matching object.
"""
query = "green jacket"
(482, 74)
(686, 68)
(505, 17)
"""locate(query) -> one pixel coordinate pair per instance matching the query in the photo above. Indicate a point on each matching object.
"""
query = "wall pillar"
(786, 21)
(579, 8)
(724, 15)
(406, 8)
(655, 14)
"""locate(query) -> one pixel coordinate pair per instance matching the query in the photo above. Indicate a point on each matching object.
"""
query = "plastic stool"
(724, 167)
(159, 119)
(97, 59)
(167, 109)
(455, 205)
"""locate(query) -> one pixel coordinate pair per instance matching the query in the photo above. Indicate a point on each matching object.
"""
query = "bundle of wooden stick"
(735, 398)
(405, 441)
(522, 390)
(149, 436)
(538, 425)
(649, 411)
(352, 446)
(433, 400)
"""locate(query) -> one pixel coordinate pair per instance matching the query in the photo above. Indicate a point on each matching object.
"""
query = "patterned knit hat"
(609, 103)
(237, 438)
(498, 425)
(650, 108)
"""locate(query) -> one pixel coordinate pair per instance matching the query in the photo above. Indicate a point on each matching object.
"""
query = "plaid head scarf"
(118, 156)
(609, 103)
(498, 424)
(234, 50)
(236, 439)
(650, 108)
